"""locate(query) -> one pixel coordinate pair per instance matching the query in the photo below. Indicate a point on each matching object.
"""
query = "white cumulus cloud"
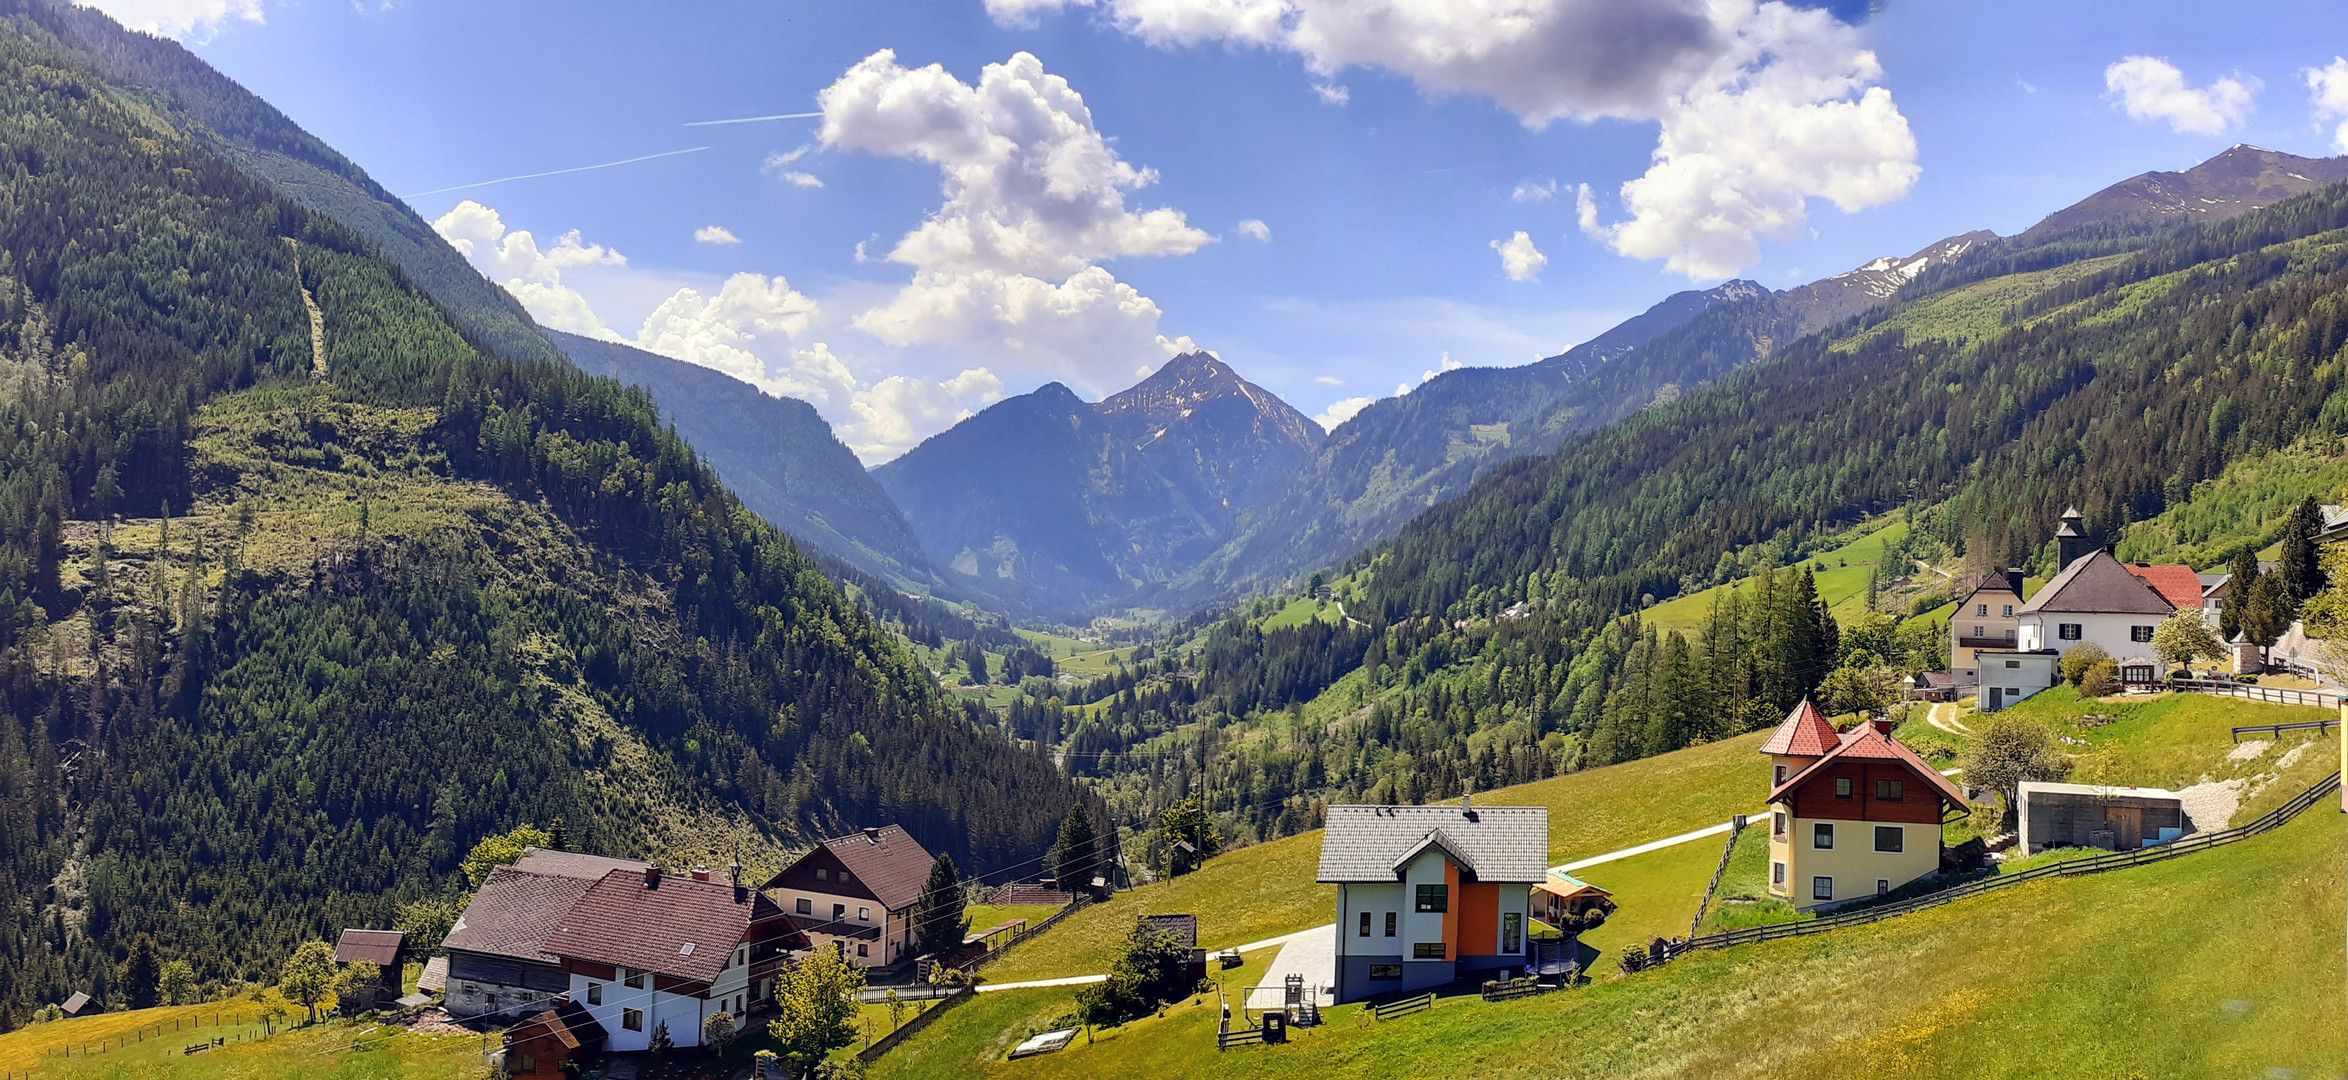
(1447, 364)
(1332, 93)
(1760, 107)
(715, 234)
(177, 18)
(1256, 229)
(1533, 191)
(800, 179)
(1519, 259)
(2328, 87)
(1340, 411)
(753, 327)
(1034, 199)
(1328, 380)
(534, 275)
(2151, 88)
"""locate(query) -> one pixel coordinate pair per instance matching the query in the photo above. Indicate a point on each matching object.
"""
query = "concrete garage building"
(1428, 894)
(2091, 816)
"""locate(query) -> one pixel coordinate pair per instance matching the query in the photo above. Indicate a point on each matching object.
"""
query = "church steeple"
(2071, 541)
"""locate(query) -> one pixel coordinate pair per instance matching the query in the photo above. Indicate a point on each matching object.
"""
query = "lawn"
(2147, 972)
(1300, 612)
(1267, 890)
(335, 1050)
(1655, 895)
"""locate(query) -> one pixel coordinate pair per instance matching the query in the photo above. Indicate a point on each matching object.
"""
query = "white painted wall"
(2042, 631)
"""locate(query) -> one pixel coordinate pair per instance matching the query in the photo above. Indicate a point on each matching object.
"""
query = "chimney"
(1467, 803)
(1884, 726)
(700, 872)
(871, 835)
(652, 876)
(2071, 543)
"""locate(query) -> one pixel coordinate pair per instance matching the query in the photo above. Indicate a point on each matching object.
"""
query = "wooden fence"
(889, 1042)
(1227, 1036)
(156, 1030)
(981, 960)
(2272, 695)
(1859, 917)
(2318, 726)
(1405, 1007)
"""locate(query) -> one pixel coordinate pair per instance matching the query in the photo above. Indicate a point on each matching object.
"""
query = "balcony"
(2006, 642)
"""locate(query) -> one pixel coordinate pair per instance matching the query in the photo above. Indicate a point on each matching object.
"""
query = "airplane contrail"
(754, 119)
(557, 172)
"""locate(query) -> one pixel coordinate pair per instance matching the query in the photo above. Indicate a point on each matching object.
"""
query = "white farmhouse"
(2096, 599)
(645, 950)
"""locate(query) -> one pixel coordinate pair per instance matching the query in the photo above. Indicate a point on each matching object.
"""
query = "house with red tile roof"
(646, 949)
(1860, 818)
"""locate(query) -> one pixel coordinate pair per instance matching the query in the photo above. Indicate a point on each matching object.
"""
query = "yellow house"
(1852, 813)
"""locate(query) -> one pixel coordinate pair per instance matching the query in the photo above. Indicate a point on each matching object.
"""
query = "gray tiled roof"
(2097, 584)
(1491, 843)
(515, 912)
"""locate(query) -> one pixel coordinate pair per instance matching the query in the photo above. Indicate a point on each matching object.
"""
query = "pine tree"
(2242, 579)
(942, 912)
(1076, 855)
(142, 973)
(2302, 573)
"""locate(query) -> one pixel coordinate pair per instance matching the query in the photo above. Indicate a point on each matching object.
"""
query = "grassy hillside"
(2149, 972)
(348, 1050)
(1267, 890)
(2152, 971)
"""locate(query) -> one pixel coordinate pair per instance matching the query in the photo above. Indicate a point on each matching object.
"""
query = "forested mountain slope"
(776, 454)
(2115, 384)
(373, 593)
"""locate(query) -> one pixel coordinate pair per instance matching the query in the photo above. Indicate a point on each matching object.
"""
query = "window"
(1821, 888)
(1385, 971)
(1365, 924)
(1429, 950)
(822, 874)
(1980, 631)
(2068, 631)
(529, 1063)
(1822, 836)
(1777, 824)
(2013, 694)
(2014, 664)
(864, 914)
(1781, 774)
(1890, 790)
(636, 979)
(843, 877)
(2140, 633)
(1777, 873)
(1891, 838)
(1512, 932)
(862, 949)
(2009, 612)
(1390, 921)
(1842, 787)
(839, 911)
(806, 906)
(632, 1019)
(1979, 611)
(1434, 898)
(594, 993)
(1883, 886)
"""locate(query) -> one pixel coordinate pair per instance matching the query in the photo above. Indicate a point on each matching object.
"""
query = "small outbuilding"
(540, 1045)
(74, 1005)
(2097, 816)
(1184, 928)
(377, 969)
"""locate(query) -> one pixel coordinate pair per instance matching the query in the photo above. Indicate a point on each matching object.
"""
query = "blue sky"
(1326, 192)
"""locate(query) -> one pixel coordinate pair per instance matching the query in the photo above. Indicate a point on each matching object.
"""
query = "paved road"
(1654, 845)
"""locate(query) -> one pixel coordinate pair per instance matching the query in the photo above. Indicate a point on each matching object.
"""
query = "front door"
(2127, 823)
(1996, 698)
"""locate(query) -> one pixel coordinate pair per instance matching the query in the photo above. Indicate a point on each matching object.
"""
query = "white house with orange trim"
(1428, 894)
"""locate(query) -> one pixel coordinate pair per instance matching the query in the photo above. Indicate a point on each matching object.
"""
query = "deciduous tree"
(2185, 637)
(2008, 750)
(503, 850)
(817, 999)
(307, 976)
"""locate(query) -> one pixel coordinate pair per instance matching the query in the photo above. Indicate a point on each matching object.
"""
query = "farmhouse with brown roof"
(857, 894)
(648, 949)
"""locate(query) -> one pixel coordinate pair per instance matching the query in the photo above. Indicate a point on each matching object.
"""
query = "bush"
(2079, 658)
(2101, 679)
